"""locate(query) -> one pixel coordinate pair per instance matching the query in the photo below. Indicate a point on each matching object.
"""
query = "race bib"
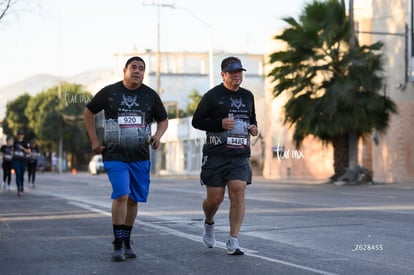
(130, 121)
(238, 136)
(19, 153)
(237, 141)
(8, 157)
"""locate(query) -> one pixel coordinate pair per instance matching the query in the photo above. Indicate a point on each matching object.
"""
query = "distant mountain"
(40, 82)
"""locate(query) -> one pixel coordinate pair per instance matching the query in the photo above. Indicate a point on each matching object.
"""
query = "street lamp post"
(210, 45)
(210, 38)
(158, 71)
(60, 143)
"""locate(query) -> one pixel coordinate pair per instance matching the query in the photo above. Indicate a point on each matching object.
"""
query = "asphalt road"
(63, 226)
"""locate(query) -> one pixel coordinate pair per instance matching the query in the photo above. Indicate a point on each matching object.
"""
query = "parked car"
(43, 164)
(96, 166)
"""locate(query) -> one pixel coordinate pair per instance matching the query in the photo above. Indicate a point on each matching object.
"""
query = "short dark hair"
(134, 58)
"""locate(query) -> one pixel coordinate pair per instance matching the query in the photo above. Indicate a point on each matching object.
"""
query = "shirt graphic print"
(130, 128)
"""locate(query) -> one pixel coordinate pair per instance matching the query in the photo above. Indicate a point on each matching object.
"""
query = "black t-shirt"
(18, 152)
(219, 103)
(7, 153)
(34, 154)
(128, 117)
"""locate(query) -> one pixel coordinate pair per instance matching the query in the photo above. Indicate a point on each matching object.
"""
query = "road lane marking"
(222, 245)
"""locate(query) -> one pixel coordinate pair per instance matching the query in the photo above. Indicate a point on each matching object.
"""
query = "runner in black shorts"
(129, 107)
(227, 114)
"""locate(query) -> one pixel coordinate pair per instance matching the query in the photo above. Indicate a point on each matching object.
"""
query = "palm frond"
(332, 89)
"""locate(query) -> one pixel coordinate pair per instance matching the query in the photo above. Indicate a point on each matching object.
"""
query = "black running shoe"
(118, 253)
(129, 251)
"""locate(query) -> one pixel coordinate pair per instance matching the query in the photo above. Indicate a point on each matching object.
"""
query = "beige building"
(391, 21)
(392, 158)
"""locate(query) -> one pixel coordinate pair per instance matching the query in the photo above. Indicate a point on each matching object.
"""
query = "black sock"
(118, 235)
(127, 236)
(209, 223)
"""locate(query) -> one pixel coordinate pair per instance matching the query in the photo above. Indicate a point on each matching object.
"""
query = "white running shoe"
(209, 237)
(233, 247)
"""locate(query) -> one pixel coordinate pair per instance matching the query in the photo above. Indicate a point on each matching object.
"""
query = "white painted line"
(251, 253)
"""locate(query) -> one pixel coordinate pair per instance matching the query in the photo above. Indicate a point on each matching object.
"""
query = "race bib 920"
(130, 121)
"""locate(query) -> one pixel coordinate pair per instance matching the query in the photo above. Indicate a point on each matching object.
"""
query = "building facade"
(391, 156)
(391, 21)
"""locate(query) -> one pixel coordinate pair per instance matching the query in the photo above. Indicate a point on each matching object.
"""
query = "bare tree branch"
(5, 6)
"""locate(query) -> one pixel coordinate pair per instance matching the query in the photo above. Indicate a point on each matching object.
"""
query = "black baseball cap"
(231, 64)
(20, 132)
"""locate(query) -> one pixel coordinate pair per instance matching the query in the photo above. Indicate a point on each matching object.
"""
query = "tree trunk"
(352, 138)
(352, 150)
(340, 146)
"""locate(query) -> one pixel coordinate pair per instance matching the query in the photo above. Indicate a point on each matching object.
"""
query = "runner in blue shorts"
(227, 114)
(136, 173)
(129, 107)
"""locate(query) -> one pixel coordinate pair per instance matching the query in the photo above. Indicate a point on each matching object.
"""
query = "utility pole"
(60, 143)
(158, 71)
(210, 42)
(210, 45)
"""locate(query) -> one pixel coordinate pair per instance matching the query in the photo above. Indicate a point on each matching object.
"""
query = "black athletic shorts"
(217, 171)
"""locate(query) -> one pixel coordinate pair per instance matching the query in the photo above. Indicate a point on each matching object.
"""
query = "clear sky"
(64, 37)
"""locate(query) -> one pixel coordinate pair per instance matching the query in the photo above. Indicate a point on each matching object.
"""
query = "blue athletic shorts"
(217, 171)
(131, 178)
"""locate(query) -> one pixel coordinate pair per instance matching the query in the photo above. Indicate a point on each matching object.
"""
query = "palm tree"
(333, 89)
